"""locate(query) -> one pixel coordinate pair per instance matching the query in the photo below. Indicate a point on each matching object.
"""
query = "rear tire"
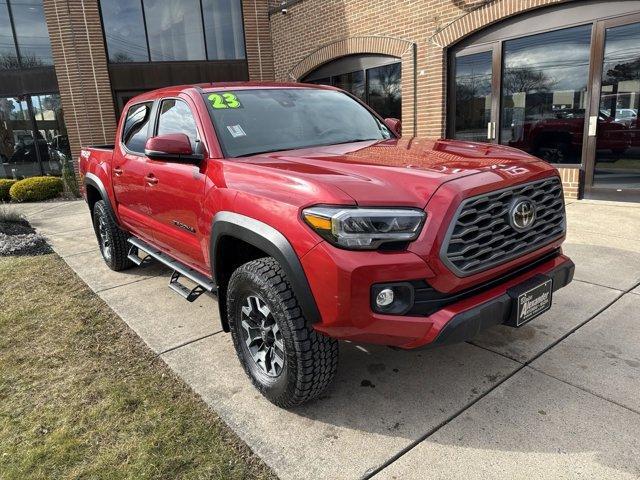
(287, 361)
(111, 238)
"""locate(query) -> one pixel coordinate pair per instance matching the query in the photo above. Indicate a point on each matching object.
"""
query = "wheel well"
(230, 254)
(93, 195)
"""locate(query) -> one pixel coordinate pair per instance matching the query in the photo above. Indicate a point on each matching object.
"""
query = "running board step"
(135, 257)
(203, 284)
(189, 294)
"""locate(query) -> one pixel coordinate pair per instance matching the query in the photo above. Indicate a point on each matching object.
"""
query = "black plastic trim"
(466, 325)
(428, 300)
(270, 241)
(94, 181)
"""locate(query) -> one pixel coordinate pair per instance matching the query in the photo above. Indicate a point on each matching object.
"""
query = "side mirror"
(173, 147)
(394, 125)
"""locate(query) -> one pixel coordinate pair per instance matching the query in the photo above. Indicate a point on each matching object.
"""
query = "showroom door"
(613, 145)
(475, 88)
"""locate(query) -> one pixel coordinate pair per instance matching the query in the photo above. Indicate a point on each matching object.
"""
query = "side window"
(134, 133)
(176, 117)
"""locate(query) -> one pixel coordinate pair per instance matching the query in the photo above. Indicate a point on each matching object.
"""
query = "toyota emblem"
(522, 214)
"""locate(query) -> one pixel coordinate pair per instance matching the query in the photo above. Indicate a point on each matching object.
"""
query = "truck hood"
(395, 172)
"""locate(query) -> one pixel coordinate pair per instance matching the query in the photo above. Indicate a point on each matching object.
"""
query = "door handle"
(117, 171)
(151, 179)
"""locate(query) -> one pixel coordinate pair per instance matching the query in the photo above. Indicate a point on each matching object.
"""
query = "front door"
(613, 167)
(175, 196)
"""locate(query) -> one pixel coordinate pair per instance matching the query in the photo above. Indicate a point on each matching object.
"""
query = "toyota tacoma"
(312, 220)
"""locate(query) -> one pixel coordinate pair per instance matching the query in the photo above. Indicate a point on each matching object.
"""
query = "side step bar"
(203, 284)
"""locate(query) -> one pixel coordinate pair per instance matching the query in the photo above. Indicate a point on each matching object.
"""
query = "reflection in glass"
(18, 143)
(351, 82)
(544, 86)
(473, 96)
(176, 117)
(175, 30)
(618, 136)
(31, 33)
(384, 90)
(224, 30)
(25, 152)
(124, 31)
(8, 56)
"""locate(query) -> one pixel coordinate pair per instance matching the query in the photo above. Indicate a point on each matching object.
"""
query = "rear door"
(176, 193)
(130, 169)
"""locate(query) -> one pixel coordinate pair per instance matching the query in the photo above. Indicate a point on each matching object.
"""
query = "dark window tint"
(174, 28)
(124, 31)
(31, 33)
(544, 93)
(136, 125)
(224, 30)
(473, 96)
(176, 117)
(8, 57)
(384, 90)
(351, 82)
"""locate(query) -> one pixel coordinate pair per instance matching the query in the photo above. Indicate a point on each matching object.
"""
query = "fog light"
(391, 298)
(384, 298)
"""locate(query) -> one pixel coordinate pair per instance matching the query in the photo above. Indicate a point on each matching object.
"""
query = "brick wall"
(81, 68)
(258, 39)
(570, 181)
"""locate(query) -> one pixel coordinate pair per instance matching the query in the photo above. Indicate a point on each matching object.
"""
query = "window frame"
(146, 35)
(156, 120)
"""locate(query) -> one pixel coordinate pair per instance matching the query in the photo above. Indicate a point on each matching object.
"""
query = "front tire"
(287, 360)
(111, 238)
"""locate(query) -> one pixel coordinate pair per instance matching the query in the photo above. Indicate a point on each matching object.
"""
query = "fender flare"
(274, 244)
(94, 181)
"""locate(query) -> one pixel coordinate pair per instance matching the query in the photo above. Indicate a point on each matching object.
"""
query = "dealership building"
(558, 79)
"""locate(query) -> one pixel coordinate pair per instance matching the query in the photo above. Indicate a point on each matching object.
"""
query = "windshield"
(266, 120)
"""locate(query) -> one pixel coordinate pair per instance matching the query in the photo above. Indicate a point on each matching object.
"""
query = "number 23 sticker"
(224, 100)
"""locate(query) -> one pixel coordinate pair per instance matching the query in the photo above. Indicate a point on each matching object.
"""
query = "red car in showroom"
(312, 220)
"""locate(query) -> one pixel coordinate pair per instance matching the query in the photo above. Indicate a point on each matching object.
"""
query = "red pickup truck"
(312, 220)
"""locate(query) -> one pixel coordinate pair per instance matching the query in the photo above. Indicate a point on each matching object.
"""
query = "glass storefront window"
(174, 30)
(32, 35)
(124, 30)
(617, 163)
(8, 56)
(223, 28)
(544, 87)
(351, 82)
(384, 90)
(25, 19)
(378, 86)
(472, 96)
(33, 138)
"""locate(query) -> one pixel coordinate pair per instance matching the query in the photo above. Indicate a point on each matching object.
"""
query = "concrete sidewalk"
(557, 398)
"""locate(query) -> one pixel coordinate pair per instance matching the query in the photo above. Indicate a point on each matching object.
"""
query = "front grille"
(481, 236)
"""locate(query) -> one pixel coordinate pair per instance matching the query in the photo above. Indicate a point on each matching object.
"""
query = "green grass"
(82, 397)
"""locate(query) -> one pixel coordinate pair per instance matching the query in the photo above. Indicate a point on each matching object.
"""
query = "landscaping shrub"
(5, 185)
(36, 189)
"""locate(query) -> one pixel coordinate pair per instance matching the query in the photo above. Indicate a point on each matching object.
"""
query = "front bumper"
(341, 284)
